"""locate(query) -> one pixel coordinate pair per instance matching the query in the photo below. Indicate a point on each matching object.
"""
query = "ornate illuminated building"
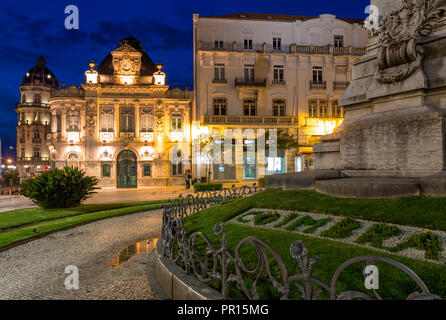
(119, 126)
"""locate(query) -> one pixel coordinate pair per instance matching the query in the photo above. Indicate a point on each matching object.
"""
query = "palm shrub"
(59, 188)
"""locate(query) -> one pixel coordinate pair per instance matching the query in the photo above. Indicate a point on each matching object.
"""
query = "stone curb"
(177, 283)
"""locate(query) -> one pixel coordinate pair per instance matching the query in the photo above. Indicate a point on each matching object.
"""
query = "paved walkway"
(35, 270)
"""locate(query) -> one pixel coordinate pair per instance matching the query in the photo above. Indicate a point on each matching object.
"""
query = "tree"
(285, 140)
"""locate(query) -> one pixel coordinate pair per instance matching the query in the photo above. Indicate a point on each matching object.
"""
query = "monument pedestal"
(395, 107)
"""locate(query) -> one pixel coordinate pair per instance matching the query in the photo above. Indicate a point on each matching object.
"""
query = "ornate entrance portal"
(127, 169)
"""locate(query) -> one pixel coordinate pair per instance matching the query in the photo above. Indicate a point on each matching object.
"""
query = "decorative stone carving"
(400, 34)
(91, 115)
(126, 64)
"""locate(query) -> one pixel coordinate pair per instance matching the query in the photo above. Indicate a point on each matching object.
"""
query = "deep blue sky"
(32, 28)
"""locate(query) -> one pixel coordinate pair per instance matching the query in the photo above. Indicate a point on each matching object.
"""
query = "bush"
(11, 178)
(59, 188)
(377, 233)
(207, 186)
(342, 229)
(262, 182)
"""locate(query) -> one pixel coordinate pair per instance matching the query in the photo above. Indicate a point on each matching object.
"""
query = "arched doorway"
(127, 169)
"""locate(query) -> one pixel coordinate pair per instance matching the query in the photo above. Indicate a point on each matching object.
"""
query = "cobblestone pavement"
(36, 270)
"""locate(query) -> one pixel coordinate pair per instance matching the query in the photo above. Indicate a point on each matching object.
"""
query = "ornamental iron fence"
(208, 263)
(192, 203)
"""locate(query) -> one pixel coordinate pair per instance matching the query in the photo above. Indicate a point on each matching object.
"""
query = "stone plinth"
(395, 107)
(369, 187)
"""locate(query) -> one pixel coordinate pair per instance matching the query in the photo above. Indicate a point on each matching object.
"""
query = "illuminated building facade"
(120, 125)
(273, 71)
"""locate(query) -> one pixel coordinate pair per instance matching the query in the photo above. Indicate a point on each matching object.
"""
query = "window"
(36, 134)
(23, 98)
(177, 169)
(249, 73)
(278, 74)
(176, 122)
(247, 44)
(219, 72)
(73, 160)
(336, 110)
(107, 117)
(218, 44)
(127, 119)
(317, 74)
(249, 107)
(36, 152)
(338, 41)
(37, 98)
(278, 107)
(106, 170)
(73, 120)
(59, 123)
(277, 44)
(146, 120)
(36, 116)
(312, 108)
(219, 106)
(22, 152)
(147, 170)
(323, 108)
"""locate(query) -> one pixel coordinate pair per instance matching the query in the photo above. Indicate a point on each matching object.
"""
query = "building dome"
(147, 65)
(40, 75)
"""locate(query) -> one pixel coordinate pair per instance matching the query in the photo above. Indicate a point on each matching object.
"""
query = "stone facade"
(273, 71)
(395, 109)
(121, 125)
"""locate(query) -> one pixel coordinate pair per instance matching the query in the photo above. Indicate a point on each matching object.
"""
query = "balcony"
(250, 83)
(32, 159)
(176, 136)
(284, 48)
(340, 85)
(107, 136)
(37, 140)
(127, 135)
(219, 81)
(318, 85)
(146, 136)
(249, 120)
(278, 82)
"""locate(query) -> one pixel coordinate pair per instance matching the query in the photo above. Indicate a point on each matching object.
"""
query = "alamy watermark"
(72, 20)
(72, 280)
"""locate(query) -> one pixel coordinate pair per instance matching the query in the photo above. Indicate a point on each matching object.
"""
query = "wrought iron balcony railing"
(250, 83)
(340, 85)
(265, 120)
(318, 85)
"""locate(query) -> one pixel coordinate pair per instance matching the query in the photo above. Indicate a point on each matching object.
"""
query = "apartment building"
(260, 71)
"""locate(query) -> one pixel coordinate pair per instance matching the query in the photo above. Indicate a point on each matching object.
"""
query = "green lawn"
(21, 217)
(417, 211)
(30, 223)
(424, 212)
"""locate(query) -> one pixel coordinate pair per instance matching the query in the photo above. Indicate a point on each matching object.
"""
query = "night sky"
(29, 29)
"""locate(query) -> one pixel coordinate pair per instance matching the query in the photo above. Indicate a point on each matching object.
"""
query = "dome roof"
(147, 65)
(40, 75)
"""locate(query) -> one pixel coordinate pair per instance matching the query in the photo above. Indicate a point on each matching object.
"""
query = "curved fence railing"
(192, 203)
(207, 262)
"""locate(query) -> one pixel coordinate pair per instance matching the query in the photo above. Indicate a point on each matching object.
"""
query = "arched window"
(23, 98)
(73, 160)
